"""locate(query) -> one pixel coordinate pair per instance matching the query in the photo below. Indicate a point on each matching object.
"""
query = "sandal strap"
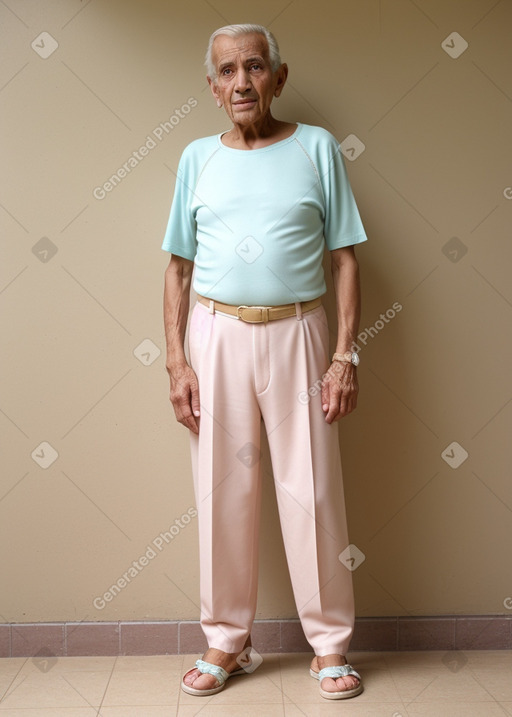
(218, 672)
(338, 671)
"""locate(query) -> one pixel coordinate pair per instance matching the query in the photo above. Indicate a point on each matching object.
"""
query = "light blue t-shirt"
(256, 222)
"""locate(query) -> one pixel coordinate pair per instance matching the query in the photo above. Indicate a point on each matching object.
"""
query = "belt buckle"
(264, 314)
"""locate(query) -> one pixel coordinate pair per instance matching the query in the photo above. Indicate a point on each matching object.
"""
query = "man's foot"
(199, 681)
(340, 684)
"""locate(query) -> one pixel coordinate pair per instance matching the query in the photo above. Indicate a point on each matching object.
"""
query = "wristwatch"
(347, 357)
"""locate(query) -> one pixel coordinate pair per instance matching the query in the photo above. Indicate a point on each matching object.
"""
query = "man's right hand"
(184, 395)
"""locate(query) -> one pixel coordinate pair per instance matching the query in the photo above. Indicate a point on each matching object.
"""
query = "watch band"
(347, 357)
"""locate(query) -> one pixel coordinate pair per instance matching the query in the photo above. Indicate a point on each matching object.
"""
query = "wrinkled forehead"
(229, 49)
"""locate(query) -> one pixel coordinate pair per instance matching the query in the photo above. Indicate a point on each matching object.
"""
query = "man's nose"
(242, 80)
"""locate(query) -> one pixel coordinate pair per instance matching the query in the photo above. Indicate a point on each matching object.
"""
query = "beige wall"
(436, 166)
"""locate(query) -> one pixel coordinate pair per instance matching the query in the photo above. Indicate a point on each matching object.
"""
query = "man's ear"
(215, 91)
(282, 74)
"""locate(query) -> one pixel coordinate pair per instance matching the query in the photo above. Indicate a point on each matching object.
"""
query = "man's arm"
(340, 386)
(184, 389)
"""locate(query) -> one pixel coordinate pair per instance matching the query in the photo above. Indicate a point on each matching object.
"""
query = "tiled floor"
(399, 684)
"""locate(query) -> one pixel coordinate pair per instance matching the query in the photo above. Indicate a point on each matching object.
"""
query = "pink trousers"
(247, 372)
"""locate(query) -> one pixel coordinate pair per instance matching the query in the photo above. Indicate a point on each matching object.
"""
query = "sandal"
(335, 672)
(220, 674)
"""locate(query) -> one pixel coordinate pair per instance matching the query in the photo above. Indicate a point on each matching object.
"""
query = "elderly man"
(253, 210)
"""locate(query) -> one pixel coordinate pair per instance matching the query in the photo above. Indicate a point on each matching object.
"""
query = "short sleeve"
(342, 222)
(180, 235)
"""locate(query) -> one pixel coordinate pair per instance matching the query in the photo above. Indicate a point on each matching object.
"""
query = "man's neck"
(255, 136)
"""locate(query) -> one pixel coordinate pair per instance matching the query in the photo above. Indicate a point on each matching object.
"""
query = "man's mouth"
(245, 103)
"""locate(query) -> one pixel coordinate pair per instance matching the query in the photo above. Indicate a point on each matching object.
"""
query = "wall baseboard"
(66, 639)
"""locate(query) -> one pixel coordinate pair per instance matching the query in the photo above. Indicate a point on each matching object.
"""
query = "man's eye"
(256, 66)
(226, 71)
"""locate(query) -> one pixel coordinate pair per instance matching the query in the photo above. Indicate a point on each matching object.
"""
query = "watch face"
(355, 359)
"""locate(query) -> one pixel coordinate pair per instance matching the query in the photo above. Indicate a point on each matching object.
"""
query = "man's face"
(245, 84)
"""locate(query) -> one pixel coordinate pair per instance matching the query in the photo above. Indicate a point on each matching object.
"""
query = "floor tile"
(150, 681)
(10, 668)
(496, 681)
(142, 687)
(461, 687)
(140, 711)
(52, 712)
(56, 689)
(461, 709)
(245, 709)
(489, 658)
(439, 660)
(160, 663)
(60, 665)
(411, 685)
(351, 707)
(11, 665)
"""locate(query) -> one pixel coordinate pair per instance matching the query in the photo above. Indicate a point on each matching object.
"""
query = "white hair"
(236, 31)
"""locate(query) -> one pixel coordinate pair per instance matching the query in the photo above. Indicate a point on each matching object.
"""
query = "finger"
(325, 395)
(350, 404)
(336, 415)
(189, 421)
(343, 406)
(195, 408)
(334, 404)
(183, 412)
(193, 425)
(353, 403)
(195, 403)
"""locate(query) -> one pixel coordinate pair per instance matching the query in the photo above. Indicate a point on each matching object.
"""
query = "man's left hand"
(339, 391)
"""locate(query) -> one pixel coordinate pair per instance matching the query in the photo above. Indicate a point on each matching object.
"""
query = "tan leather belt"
(259, 314)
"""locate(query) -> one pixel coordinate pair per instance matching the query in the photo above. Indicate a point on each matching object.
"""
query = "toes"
(329, 685)
(205, 682)
(200, 681)
(347, 683)
(341, 684)
(190, 676)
